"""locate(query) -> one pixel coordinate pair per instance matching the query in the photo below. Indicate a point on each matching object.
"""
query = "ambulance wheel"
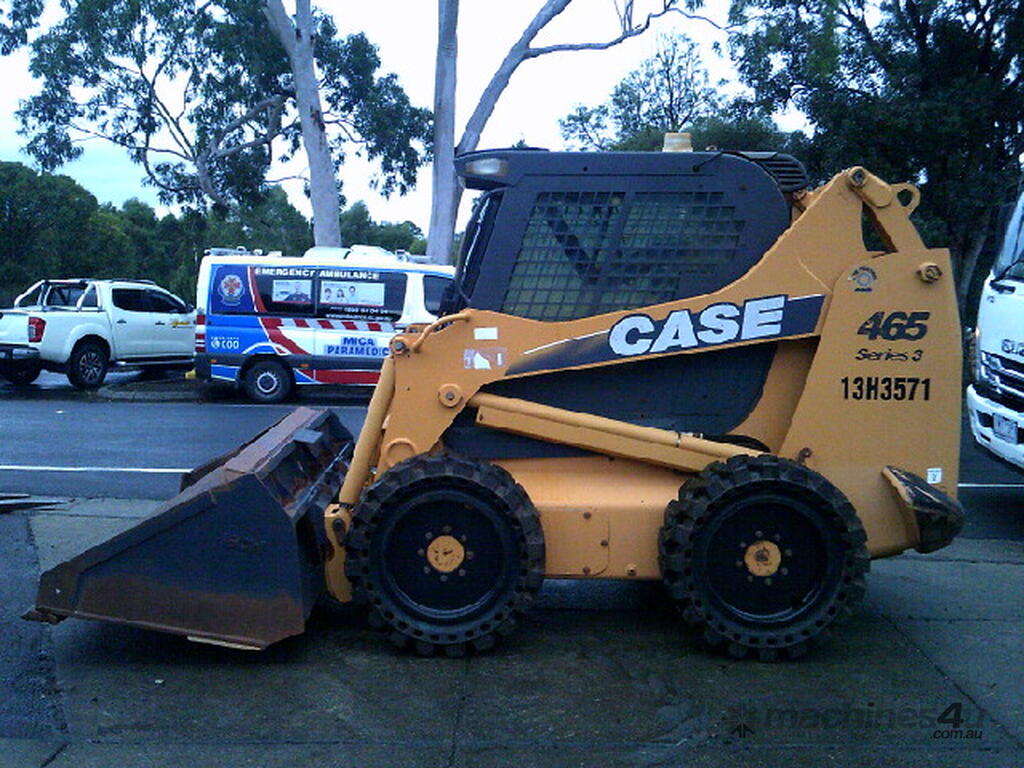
(762, 555)
(447, 552)
(267, 381)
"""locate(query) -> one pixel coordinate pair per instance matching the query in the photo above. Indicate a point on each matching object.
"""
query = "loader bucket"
(235, 559)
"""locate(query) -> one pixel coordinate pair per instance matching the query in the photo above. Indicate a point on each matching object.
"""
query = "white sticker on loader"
(934, 475)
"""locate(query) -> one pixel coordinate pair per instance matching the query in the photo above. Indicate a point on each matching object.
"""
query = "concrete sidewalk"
(930, 672)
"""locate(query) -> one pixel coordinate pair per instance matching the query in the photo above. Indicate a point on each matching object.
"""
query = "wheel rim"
(90, 366)
(268, 382)
(448, 556)
(770, 559)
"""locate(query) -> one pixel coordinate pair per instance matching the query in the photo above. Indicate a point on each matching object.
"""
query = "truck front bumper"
(17, 353)
(983, 415)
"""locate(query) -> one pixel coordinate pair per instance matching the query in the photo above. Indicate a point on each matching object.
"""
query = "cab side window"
(164, 302)
(130, 299)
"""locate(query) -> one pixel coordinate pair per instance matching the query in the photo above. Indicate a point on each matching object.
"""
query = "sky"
(541, 91)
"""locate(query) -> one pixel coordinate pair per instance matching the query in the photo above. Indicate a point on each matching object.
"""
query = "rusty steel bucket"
(235, 559)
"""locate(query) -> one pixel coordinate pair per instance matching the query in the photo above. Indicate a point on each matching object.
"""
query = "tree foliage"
(667, 92)
(203, 96)
(358, 227)
(16, 18)
(923, 90)
(50, 226)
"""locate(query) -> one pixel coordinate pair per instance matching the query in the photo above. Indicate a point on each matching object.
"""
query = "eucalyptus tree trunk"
(297, 39)
(445, 187)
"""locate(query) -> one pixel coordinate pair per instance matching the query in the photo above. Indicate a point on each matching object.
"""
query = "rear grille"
(787, 171)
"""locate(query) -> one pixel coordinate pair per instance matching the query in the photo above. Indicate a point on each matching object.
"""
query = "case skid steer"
(678, 366)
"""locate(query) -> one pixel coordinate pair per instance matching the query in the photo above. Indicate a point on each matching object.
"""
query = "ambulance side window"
(372, 294)
(285, 294)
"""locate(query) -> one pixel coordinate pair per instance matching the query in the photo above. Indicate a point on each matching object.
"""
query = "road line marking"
(139, 470)
(990, 485)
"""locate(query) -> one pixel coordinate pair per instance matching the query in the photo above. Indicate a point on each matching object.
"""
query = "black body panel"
(710, 393)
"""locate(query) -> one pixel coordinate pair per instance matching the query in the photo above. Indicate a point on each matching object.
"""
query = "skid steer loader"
(678, 366)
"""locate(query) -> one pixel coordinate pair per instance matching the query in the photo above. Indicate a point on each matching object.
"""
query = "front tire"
(762, 555)
(87, 366)
(267, 382)
(448, 552)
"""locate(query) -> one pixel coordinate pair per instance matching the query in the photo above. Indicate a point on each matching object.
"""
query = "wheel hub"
(763, 558)
(445, 553)
(266, 382)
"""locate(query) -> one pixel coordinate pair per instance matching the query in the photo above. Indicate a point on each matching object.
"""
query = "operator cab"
(564, 235)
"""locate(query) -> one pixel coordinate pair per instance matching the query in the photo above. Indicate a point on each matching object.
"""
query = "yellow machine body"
(836, 400)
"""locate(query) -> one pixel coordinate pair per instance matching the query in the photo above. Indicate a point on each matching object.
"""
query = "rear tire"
(21, 374)
(87, 366)
(267, 382)
(762, 555)
(448, 552)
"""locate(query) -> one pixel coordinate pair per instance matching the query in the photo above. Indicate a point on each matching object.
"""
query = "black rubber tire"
(415, 603)
(720, 516)
(268, 382)
(21, 374)
(87, 366)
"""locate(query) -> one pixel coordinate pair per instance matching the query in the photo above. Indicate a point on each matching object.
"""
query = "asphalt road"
(74, 446)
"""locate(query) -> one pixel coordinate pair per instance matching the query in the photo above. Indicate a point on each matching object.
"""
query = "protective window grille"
(586, 253)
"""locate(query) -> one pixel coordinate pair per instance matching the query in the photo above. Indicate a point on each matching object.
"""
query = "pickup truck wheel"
(22, 374)
(87, 367)
(267, 381)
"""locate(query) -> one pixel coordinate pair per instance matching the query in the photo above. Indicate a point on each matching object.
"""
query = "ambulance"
(267, 324)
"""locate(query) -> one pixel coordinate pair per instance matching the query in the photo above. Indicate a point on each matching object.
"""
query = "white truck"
(996, 399)
(81, 327)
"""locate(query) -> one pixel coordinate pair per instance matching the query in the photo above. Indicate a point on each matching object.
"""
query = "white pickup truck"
(81, 327)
